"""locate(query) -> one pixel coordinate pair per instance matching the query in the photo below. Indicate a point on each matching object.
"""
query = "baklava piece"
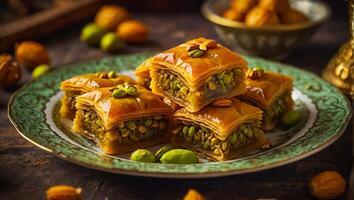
(271, 92)
(81, 84)
(123, 118)
(220, 133)
(197, 72)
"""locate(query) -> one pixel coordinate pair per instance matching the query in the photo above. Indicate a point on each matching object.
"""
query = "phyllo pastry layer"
(271, 92)
(123, 118)
(197, 72)
(142, 73)
(220, 133)
(85, 83)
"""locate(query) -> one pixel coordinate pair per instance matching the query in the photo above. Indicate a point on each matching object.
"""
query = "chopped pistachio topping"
(123, 90)
(196, 53)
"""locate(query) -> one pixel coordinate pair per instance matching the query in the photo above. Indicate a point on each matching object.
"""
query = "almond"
(210, 44)
(63, 192)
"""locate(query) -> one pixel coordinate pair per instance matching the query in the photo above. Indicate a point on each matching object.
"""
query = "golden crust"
(264, 91)
(195, 70)
(88, 82)
(221, 120)
(113, 110)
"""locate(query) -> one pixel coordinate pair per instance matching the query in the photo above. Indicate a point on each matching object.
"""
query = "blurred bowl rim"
(219, 20)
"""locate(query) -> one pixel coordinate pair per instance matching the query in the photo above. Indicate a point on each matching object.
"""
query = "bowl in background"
(274, 41)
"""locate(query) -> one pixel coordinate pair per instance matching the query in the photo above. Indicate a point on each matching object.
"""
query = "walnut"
(10, 71)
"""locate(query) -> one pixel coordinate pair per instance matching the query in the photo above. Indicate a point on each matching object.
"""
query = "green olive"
(179, 156)
(291, 117)
(142, 155)
(40, 70)
(91, 34)
(159, 153)
(110, 42)
(118, 93)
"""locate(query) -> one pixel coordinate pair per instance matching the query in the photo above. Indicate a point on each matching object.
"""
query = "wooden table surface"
(27, 171)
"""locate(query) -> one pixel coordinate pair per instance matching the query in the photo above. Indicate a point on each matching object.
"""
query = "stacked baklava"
(204, 79)
(198, 95)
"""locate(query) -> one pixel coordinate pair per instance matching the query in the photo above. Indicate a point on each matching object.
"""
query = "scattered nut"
(40, 70)
(210, 44)
(193, 46)
(142, 155)
(240, 8)
(10, 71)
(132, 31)
(91, 34)
(193, 195)
(110, 42)
(63, 192)
(255, 73)
(327, 185)
(110, 16)
(222, 103)
(30, 54)
(259, 16)
(233, 15)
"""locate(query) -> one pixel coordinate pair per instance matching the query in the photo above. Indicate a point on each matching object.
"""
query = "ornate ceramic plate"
(33, 111)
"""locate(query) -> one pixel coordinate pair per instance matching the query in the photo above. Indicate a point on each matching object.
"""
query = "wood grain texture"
(26, 171)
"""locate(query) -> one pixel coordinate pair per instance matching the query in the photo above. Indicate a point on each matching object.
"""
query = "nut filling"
(71, 99)
(201, 137)
(278, 108)
(214, 86)
(126, 132)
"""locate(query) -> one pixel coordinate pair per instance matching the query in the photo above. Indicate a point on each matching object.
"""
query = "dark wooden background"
(26, 171)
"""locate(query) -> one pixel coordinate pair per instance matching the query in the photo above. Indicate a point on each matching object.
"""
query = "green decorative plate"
(33, 111)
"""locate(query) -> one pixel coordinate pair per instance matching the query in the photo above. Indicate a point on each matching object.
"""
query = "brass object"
(340, 69)
(273, 41)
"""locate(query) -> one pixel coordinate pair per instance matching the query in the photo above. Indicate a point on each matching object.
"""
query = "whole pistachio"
(40, 70)
(142, 155)
(111, 43)
(291, 117)
(160, 152)
(196, 53)
(91, 34)
(118, 93)
(179, 156)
